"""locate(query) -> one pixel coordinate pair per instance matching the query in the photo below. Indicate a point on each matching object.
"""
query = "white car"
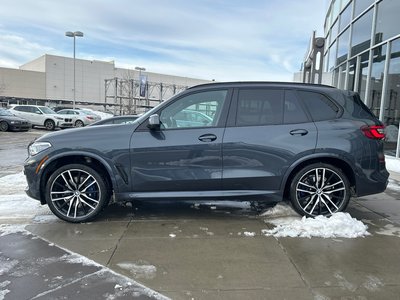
(80, 117)
(42, 116)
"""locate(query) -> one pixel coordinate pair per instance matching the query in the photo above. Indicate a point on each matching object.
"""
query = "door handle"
(207, 137)
(298, 132)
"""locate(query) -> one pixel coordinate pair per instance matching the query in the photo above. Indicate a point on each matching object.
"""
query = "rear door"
(267, 131)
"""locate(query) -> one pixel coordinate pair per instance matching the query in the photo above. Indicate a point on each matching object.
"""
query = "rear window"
(320, 107)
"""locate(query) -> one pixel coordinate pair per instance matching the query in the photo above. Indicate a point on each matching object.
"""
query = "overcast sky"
(208, 39)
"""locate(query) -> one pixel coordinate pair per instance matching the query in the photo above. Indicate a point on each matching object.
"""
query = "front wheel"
(79, 123)
(319, 189)
(50, 125)
(76, 193)
(3, 126)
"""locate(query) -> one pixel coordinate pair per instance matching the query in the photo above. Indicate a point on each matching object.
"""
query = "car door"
(181, 156)
(267, 131)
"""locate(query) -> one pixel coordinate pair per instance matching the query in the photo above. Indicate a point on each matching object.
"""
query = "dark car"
(313, 144)
(126, 119)
(9, 122)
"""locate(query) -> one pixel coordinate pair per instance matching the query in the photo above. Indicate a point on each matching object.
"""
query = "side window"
(259, 107)
(320, 107)
(36, 110)
(293, 112)
(196, 110)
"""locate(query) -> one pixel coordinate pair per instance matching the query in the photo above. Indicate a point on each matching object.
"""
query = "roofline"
(277, 83)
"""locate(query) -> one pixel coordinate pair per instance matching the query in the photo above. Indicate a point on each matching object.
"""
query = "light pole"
(140, 69)
(74, 35)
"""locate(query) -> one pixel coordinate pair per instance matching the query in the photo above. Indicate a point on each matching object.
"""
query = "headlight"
(15, 122)
(38, 147)
(59, 118)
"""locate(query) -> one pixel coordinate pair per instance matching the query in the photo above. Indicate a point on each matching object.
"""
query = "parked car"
(80, 117)
(9, 122)
(126, 119)
(42, 116)
(315, 145)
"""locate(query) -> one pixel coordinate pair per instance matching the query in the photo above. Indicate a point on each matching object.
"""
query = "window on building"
(387, 21)
(361, 37)
(377, 70)
(361, 5)
(332, 57)
(392, 99)
(343, 46)
(342, 77)
(363, 73)
(352, 74)
(345, 17)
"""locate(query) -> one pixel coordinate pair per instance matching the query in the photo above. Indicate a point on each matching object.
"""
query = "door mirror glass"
(154, 122)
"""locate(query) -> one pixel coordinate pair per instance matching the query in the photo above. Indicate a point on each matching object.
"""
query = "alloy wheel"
(321, 191)
(75, 193)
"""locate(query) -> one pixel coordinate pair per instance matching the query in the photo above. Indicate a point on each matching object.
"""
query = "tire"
(50, 125)
(79, 123)
(76, 193)
(319, 189)
(3, 126)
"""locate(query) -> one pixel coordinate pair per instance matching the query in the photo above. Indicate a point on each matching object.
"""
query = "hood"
(14, 118)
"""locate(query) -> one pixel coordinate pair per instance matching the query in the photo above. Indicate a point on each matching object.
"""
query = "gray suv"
(314, 145)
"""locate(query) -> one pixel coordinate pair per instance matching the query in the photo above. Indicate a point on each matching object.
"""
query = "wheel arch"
(93, 161)
(335, 161)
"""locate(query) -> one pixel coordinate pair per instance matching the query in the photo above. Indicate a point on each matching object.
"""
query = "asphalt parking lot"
(191, 250)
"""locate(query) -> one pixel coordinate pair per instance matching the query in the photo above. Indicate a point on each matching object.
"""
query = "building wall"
(22, 83)
(52, 77)
(363, 53)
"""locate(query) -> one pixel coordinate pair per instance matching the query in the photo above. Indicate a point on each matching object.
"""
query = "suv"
(313, 144)
(42, 116)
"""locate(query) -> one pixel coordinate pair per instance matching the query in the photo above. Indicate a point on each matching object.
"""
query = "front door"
(185, 154)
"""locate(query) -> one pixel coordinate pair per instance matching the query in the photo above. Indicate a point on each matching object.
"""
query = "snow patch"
(280, 210)
(392, 164)
(338, 225)
(373, 283)
(249, 234)
(390, 230)
(12, 184)
(141, 269)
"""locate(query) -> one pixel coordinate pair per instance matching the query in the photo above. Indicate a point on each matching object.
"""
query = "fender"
(335, 153)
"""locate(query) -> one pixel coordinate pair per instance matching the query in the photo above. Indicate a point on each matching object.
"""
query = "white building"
(51, 78)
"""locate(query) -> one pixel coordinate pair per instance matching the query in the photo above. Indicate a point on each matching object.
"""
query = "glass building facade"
(362, 50)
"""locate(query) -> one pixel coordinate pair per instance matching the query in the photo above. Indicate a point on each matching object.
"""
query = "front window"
(196, 110)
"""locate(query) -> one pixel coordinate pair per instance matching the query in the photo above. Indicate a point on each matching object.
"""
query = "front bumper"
(33, 174)
(20, 127)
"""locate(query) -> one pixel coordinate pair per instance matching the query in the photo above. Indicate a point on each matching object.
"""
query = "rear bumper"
(373, 184)
(20, 127)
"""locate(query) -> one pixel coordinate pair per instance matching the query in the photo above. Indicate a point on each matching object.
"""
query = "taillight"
(375, 132)
(89, 117)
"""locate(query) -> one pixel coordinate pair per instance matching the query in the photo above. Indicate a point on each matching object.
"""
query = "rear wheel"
(3, 126)
(319, 189)
(50, 125)
(76, 193)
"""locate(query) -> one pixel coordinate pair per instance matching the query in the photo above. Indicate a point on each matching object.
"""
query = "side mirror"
(154, 122)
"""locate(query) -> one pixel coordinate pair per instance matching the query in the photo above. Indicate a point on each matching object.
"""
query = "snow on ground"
(289, 224)
(15, 204)
(392, 163)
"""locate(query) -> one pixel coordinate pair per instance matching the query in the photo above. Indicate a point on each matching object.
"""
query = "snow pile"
(140, 269)
(281, 209)
(338, 225)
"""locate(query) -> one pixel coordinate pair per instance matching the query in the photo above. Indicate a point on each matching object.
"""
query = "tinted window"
(23, 108)
(320, 107)
(259, 107)
(196, 110)
(293, 112)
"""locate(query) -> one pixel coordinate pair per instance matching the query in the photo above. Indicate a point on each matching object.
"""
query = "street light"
(74, 35)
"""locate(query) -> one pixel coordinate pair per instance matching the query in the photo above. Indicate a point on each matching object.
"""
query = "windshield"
(47, 110)
(4, 112)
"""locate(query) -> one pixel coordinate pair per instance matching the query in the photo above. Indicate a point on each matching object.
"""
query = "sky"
(206, 39)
